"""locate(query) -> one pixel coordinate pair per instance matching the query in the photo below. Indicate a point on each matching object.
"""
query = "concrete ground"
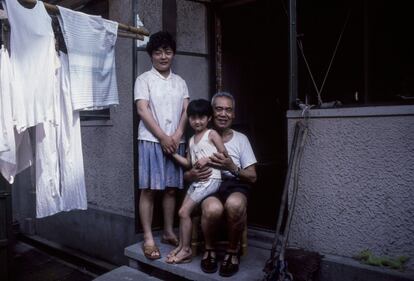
(39, 264)
(32, 264)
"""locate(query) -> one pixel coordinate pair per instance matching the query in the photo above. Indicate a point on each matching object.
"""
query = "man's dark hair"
(161, 39)
(199, 107)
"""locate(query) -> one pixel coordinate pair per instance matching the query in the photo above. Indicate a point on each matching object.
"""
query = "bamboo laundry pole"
(130, 31)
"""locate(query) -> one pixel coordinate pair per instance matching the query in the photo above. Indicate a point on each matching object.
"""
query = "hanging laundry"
(6, 122)
(60, 179)
(5, 115)
(4, 141)
(19, 155)
(32, 47)
(90, 41)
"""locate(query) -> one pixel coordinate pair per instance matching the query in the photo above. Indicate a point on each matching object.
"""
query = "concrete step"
(125, 273)
(332, 268)
(250, 269)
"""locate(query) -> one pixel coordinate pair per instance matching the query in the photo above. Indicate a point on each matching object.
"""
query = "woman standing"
(161, 98)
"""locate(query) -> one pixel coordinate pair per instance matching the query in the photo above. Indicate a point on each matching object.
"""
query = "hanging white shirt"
(6, 119)
(90, 42)
(60, 179)
(165, 97)
(32, 47)
(19, 155)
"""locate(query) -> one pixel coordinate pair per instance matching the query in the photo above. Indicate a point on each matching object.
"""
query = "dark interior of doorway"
(255, 71)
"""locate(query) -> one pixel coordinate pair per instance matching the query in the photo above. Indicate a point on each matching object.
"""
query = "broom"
(276, 267)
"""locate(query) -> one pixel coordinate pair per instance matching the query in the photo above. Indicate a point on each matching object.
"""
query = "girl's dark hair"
(199, 107)
(161, 39)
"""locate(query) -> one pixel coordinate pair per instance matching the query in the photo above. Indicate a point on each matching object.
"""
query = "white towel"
(90, 41)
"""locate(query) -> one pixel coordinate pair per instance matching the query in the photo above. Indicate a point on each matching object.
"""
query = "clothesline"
(137, 32)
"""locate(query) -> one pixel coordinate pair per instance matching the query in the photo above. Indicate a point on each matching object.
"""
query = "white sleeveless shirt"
(204, 148)
(32, 47)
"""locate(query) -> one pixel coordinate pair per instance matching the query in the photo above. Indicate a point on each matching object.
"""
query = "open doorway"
(254, 54)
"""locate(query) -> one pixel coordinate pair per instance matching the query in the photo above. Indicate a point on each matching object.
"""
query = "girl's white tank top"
(204, 148)
(32, 48)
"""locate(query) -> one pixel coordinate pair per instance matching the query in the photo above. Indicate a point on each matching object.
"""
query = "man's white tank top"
(32, 47)
(204, 148)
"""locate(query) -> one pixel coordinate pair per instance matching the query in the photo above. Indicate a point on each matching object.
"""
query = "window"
(374, 60)
(89, 115)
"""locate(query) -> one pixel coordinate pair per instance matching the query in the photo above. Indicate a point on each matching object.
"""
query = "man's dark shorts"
(229, 186)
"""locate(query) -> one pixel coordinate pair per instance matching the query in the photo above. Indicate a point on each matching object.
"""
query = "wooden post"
(218, 50)
(53, 9)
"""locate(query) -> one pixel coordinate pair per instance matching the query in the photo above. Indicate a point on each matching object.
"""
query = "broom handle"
(285, 190)
(302, 137)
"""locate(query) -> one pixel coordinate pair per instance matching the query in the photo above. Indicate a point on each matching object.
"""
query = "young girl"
(202, 145)
(162, 98)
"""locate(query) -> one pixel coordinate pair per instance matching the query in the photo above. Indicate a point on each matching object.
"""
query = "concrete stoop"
(250, 270)
(333, 268)
(125, 273)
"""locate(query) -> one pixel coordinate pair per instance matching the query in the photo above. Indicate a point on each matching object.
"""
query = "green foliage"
(367, 257)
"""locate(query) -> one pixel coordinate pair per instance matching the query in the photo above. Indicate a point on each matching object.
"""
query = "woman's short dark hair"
(199, 107)
(161, 39)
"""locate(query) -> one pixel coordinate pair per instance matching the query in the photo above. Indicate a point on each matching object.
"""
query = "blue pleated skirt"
(156, 170)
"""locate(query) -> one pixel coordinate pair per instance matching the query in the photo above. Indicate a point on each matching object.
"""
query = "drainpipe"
(5, 199)
(293, 55)
(135, 116)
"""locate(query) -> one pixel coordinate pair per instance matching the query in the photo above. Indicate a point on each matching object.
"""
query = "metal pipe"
(293, 55)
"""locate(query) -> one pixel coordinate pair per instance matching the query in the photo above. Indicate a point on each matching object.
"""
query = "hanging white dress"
(19, 154)
(60, 180)
(90, 41)
(32, 48)
(70, 152)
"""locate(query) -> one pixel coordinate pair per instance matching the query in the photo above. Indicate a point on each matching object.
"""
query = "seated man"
(230, 201)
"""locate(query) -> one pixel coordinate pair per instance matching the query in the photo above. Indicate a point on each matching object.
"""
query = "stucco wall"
(356, 184)
(191, 27)
(150, 13)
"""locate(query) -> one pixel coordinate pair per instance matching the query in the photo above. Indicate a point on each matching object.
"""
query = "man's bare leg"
(212, 212)
(235, 206)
